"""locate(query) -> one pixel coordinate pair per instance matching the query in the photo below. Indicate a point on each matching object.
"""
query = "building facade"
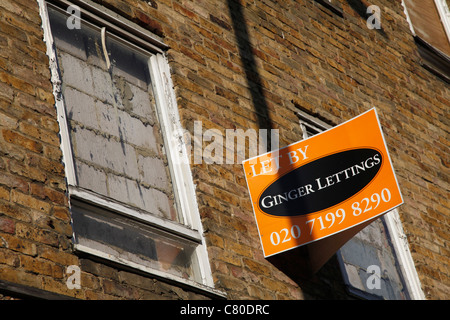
(124, 125)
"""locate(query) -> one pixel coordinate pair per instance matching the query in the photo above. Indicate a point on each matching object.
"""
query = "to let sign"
(323, 185)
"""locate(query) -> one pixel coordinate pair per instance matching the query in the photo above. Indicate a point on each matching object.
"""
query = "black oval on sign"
(321, 184)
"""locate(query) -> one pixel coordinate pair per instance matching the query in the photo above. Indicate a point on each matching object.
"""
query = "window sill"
(193, 285)
(164, 224)
(332, 7)
(138, 244)
(433, 60)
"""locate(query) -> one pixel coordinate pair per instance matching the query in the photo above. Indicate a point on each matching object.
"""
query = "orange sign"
(318, 187)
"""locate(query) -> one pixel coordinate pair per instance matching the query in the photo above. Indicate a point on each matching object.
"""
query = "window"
(132, 201)
(429, 21)
(444, 14)
(380, 249)
(311, 125)
(333, 5)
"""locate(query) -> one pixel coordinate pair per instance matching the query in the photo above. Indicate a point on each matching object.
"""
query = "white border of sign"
(342, 230)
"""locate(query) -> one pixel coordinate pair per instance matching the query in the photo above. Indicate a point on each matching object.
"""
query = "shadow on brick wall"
(248, 61)
(327, 283)
(360, 7)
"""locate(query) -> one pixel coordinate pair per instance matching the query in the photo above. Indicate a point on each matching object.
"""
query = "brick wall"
(34, 219)
(253, 68)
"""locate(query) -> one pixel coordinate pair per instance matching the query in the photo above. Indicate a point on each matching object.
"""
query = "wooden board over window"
(427, 23)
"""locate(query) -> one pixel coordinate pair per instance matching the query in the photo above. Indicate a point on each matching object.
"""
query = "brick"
(45, 96)
(13, 7)
(29, 101)
(4, 193)
(98, 269)
(231, 282)
(17, 83)
(257, 267)
(59, 286)
(90, 281)
(7, 121)
(35, 265)
(191, 15)
(14, 211)
(139, 281)
(12, 31)
(260, 292)
(34, 79)
(20, 277)
(113, 288)
(62, 213)
(57, 256)
(6, 91)
(23, 170)
(7, 225)
(93, 295)
(29, 201)
(44, 193)
(9, 258)
(239, 249)
(149, 23)
(47, 165)
(52, 153)
(39, 235)
(61, 228)
(17, 244)
(225, 256)
(16, 138)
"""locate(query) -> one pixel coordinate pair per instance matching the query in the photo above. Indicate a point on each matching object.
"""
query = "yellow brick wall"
(253, 71)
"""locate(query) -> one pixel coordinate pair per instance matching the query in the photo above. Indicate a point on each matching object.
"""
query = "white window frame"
(401, 248)
(444, 13)
(176, 151)
(408, 18)
(392, 219)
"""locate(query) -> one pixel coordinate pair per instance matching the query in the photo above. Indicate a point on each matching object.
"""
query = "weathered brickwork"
(251, 68)
(34, 219)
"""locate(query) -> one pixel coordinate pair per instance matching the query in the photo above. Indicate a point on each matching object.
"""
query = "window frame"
(170, 124)
(396, 235)
(334, 7)
(444, 13)
(432, 58)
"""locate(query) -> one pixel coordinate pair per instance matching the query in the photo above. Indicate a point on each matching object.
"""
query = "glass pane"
(129, 241)
(370, 266)
(116, 140)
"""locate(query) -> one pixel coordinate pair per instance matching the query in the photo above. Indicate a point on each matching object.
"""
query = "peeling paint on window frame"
(168, 116)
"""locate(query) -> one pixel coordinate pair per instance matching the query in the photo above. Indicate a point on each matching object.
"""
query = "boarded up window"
(430, 23)
(127, 202)
(115, 136)
(427, 23)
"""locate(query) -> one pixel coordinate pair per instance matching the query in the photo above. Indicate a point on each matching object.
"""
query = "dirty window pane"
(370, 267)
(134, 242)
(116, 140)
